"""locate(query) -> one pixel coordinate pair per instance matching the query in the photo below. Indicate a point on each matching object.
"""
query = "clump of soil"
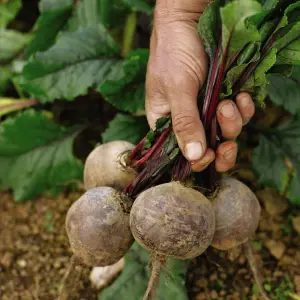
(35, 254)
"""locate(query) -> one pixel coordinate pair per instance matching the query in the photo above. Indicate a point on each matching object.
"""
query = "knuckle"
(184, 123)
(233, 130)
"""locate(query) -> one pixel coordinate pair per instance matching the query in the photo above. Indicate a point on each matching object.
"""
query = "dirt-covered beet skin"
(173, 220)
(106, 166)
(97, 225)
(237, 212)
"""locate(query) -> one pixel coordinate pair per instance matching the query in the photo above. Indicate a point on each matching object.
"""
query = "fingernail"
(193, 151)
(230, 155)
(245, 101)
(228, 111)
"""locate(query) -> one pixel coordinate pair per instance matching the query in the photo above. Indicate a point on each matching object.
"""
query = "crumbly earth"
(34, 254)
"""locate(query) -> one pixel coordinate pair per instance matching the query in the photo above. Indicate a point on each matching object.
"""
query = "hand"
(177, 69)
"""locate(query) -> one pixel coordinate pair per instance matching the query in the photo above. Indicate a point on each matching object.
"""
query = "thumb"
(186, 121)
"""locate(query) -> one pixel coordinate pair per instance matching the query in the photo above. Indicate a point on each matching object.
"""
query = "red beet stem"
(157, 144)
(137, 148)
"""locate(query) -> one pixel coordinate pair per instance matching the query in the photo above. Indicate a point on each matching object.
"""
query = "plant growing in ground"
(80, 60)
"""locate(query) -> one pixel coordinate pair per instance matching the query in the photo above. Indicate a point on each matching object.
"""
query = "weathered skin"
(237, 213)
(172, 220)
(97, 225)
(105, 166)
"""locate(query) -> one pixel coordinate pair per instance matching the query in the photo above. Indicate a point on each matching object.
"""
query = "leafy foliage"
(8, 11)
(276, 159)
(124, 87)
(284, 91)
(125, 128)
(40, 159)
(235, 31)
(75, 52)
(12, 42)
(52, 75)
(54, 15)
(132, 282)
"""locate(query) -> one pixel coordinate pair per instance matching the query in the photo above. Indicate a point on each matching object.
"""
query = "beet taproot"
(97, 225)
(171, 220)
(107, 165)
(237, 212)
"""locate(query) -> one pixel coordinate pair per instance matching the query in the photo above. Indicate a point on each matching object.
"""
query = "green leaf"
(132, 282)
(5, 76)
(150, 137)
(87, 13)
(258, 82)
(139, 6)
(288, 15)
(296, 73)
(12, 43)
(288, 37)
(8, 11)
(52, 5)
(276, 147)
(53, 18)
(162, 123)
(268, 162)
(290, 54)
(235, 28)
(39, 159)
(270, 4)
(125, 86)
(111, 14)
(126, 128)
(284, 70)
(54, 75)
(284, 92)
(208, 27)
(235, 72)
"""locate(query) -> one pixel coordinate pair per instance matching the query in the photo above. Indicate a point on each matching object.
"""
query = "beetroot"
(97, 225)
(107, 165)
(171, 220)
(237, 212)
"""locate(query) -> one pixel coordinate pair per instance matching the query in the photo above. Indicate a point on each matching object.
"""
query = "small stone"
(288, 260)
(202, 283)
(214, 295)
(276, 248)
(278, 274)
(242, 271)
(21, 263)
(274, 203)
(296, 280)
(201, 296)
(6, 259)
(242, 259)
(296, 224)
(213, 277)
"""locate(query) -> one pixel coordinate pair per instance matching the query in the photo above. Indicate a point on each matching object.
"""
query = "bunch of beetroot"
(143, 192)
(168, 219)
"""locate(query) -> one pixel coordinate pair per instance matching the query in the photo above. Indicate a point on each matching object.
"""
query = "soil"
(34, 254)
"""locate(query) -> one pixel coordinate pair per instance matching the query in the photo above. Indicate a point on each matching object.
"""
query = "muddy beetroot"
(237, 212)
(97, 225)
(107, 166)
(171, 220)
